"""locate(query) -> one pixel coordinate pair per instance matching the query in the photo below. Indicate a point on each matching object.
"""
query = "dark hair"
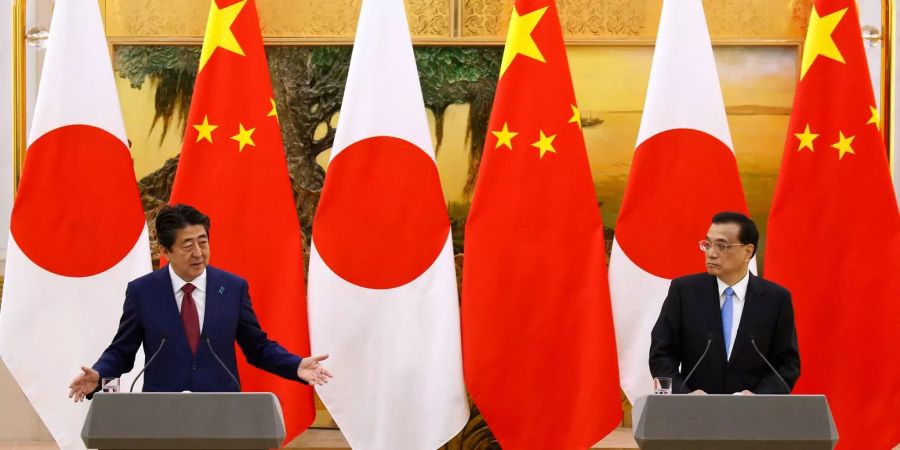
(748, 234)
(172, 218)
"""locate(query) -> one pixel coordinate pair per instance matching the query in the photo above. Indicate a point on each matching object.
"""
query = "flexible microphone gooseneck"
(787, 389)
(709, 339)
(233, 378)
(161, 344)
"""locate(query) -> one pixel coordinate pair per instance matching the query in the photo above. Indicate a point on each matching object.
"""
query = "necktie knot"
(729, 292)
(188, 288)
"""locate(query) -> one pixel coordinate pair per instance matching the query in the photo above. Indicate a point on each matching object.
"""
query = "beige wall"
(18, 421)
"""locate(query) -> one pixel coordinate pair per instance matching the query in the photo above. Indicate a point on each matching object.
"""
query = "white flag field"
(683, 143)
(77, 233)
(383, 299)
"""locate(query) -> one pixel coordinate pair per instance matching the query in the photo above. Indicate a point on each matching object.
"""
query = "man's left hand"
(311, 371)
(746, 392)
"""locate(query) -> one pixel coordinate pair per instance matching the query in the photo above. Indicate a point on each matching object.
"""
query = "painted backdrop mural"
(458, 84)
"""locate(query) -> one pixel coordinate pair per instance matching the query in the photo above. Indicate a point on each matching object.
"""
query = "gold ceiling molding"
(452, 21)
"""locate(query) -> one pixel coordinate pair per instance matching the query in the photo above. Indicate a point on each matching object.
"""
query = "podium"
(157, 420)
(740, 422)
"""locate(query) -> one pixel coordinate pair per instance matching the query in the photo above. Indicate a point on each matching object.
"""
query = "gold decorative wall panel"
(186, 19)
(638, 20)
(449, 21)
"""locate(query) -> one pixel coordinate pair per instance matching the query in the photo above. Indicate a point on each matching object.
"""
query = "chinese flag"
(233, 168)
(834, 234)
(539, 351)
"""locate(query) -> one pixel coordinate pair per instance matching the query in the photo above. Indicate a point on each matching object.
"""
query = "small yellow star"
(819, 40)
(843, 145)
(576, 116)
(545, 144)
(244, 137)
(504, 136)
(218, 31)
(204, 130)
(876, 118)
(806, 139)
(274, 111)
(519, 40)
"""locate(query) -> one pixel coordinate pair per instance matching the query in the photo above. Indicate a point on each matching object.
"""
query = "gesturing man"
(191, 314)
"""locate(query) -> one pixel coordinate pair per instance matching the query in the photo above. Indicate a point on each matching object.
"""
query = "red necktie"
(189, 317)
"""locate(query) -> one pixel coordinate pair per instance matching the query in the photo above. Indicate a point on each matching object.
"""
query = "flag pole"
(889, 88)
(18, 90)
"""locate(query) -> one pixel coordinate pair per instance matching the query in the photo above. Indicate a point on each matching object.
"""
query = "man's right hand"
(85, 383)
(698, 392)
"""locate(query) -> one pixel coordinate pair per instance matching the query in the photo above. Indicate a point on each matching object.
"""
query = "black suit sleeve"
(259, 350)
(665, 340)
(783, 354)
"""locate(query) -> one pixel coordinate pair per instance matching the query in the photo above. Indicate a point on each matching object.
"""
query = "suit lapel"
(710, 295)
(212, 309)
(172, 313)
(749, 316)
(213, 298)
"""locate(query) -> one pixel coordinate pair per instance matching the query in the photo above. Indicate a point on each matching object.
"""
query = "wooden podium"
(228, 420)
(740, 422)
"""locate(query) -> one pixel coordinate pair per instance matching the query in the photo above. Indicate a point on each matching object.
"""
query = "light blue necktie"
(727, 309)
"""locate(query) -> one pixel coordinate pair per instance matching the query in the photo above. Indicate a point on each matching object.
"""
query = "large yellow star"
(218, 31)
(576, 116)
(819, 40)
(244, 137)
(545, 144)
(204, 130)
(876, 118)
(274, 111)
(504, 136)
(806, 139)
(519, 40)
(843, 145)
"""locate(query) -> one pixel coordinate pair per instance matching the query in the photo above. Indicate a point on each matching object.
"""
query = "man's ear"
(752, 248)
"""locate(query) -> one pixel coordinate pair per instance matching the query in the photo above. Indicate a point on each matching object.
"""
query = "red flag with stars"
(539, 351)
(233, 168)
(834, 234)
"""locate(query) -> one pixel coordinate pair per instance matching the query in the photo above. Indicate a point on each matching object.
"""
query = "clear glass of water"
(662, 385)
(110, 384)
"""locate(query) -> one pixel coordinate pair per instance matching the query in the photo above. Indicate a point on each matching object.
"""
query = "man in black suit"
(726, 309)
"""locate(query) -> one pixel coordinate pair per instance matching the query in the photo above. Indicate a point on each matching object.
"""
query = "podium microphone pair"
(709, 339)
(208, 344)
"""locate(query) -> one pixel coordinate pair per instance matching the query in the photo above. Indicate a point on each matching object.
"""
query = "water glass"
(662, 385)
(110, 384)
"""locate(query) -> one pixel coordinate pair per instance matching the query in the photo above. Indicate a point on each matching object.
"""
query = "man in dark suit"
(727, 309)
(189, 314)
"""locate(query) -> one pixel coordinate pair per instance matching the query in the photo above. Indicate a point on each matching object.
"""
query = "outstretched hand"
(83, 384)
(311, 371)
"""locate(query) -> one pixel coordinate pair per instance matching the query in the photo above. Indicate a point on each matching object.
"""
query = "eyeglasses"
(721, 247)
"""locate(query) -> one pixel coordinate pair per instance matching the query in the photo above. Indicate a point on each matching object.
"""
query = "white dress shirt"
(740, 294)
(199, 294)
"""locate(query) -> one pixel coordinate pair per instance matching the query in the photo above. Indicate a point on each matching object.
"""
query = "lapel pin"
(221, 289)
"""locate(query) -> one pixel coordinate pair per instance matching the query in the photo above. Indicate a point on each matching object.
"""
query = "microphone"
(786, 387)
(233, 378)
(161, 344)
(709, 339)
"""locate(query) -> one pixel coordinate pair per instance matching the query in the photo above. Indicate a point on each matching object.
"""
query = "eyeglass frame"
(721, 247)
